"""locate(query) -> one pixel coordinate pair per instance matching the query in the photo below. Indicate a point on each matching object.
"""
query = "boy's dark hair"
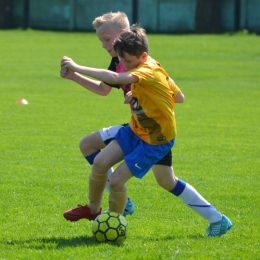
(134, 42)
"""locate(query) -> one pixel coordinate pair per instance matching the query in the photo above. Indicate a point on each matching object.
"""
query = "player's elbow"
(105, 89)
(104, 93)
(179, 98)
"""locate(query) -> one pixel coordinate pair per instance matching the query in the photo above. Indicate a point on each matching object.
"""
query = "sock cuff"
(98, 177)
(90, 158)
(179, 187)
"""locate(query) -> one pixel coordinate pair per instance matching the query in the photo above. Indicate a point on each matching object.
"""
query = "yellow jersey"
(153, 118)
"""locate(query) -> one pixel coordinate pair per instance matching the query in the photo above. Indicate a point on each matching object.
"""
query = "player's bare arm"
(179, 98)
(99, 74)
(94, 86)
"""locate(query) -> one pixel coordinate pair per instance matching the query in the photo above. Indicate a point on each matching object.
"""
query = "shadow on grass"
(197, 237)
(53, 242)
(62, 242)
(171, 237)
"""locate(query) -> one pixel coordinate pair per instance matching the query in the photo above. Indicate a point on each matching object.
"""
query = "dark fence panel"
(253, 16)
(5, 14)
(176, 16)
(208, 16)
(227, 20)
(52, 15)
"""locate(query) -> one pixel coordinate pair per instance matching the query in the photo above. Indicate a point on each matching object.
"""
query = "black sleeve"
(114, 62)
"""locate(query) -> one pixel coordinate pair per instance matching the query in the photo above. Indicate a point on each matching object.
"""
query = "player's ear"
(123, 30)
(144, 56)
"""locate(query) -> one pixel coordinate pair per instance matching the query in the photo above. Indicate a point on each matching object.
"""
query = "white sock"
(194, 200)
(109, 173)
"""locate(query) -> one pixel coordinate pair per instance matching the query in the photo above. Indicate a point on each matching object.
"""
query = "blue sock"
(179, 188)
(90, 158)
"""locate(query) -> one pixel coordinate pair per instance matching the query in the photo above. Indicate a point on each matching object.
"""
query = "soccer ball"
(110, 227)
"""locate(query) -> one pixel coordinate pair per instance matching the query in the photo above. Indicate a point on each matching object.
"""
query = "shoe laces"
(81, 208)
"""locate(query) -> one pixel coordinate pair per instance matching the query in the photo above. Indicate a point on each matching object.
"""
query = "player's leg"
(163, 172)
(219, 223)
(185, 192)
(107, 134)
(109, 156)
(165, 177)
(118, 194)
(91, 145)
(139, 157)
(97, 182)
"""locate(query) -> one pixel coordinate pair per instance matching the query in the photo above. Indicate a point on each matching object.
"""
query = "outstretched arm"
(94, 86)
(99, 74)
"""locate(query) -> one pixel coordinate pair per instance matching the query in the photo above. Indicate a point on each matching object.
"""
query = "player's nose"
(104, 45)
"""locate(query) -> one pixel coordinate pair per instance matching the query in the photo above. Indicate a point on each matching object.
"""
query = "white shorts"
(109, 133)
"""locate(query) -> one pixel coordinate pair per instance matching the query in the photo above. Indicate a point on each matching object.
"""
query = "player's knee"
(115, 183)
(167, 184)
(83, 145)
(99, 165)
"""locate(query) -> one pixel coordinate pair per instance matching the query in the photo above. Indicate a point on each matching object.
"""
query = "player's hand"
(66, 73)
(128, 98)
(67, 62)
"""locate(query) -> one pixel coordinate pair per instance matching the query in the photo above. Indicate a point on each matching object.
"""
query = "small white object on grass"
(22, 101)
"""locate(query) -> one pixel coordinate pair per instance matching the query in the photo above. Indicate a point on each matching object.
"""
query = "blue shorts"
(139, 155)
(107, 135)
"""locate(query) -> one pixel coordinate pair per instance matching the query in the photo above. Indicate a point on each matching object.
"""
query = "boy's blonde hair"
(118, 19)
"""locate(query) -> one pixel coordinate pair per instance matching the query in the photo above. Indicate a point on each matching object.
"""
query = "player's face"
(131, 62)
(107, 34)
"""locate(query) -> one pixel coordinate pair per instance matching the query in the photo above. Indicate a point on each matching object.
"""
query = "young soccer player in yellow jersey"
(108, 27)
(148, 138)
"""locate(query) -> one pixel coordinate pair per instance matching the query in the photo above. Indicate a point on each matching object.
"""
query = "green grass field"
(43, 172)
